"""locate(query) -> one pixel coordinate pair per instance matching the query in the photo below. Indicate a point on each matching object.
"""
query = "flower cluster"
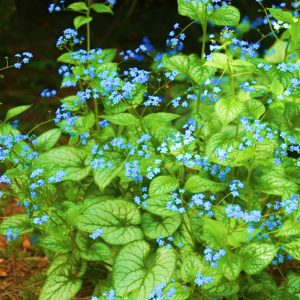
(161, 242)
(25, 60)
(11, 234)
(209, 256)
(54, 7)
(233, 188)
(96, 234)
(290, 205)
(40, 221)
(47, 93)
(235, 211)
(200, 279)
(198, 199)
(176, 198)
(69, 36)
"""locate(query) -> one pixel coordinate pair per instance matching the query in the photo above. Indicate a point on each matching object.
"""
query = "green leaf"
(70, 103)
(275, 53)
(197, 184)
(215, 142)
(245, 154)
(125, 119)
(293, 249)
(212, 240)
(104, 177)
(293, 283)
(280, 15)
(78, 6)
(107, 55)
(84, 123)
(217, 276)
(225, 16)
(197, 70)
(259, 286)
(68, 261)
(109, 66)
(243, 66)
(181, 292)
(283, 294)
(101, 8)
(57, 243)
(65, 58)
(155, 226)
(219, 61)
(194, 10)
(48, 139)
(227, 111)
(256, 256)
(182, 235)
(240, 235)
(162, 117)
(254, 108)
(275, 185)
(91, 250)
(157, 205)
(21, 222)
(191, 266)
(117, 218)
(59, 262)
(68, 158)
(265, 149)
(130, 272)
(80, 20)
(61, 286)
(216, 227)
(72, 215)
(294, 30)
(178, 62)
(231, 265)
(283, 77)
(162, 185)
(220, 215)
(223, 289)
(276, 87)
(289, 228)
(191, 66)
(16, 111)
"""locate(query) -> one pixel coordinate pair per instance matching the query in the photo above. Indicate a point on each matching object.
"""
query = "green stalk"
(88, 50)
(248, 187)
(204, 27)
(231, 79)
(96, 114)
(88, 28)
(233, 96)
(6, 67)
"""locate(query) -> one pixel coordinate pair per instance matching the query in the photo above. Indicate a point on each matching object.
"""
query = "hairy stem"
(204, 27)
(88, 28)
(248, 185)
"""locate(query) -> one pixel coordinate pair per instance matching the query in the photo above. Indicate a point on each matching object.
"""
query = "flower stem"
(88, 28)
(204, 27)
(248, 187)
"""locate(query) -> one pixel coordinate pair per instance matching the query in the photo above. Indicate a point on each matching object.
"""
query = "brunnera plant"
(177, 184)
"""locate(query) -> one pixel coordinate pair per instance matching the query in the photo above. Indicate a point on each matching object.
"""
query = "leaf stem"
(88, 27)
(6, 67)
(204, 27)
(39, 125)
(96, 114)
(248, 183)
(231, 79)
